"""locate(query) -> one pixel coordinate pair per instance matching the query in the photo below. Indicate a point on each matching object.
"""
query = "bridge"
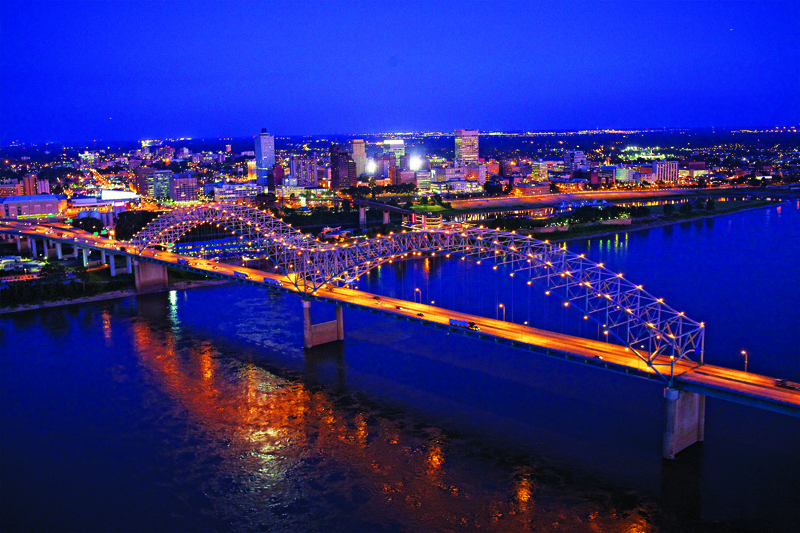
(652, 340)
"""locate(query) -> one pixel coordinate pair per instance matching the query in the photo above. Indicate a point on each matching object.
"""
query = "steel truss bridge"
(636, 319)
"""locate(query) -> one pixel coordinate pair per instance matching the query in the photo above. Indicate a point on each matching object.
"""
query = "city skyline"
(205, 68)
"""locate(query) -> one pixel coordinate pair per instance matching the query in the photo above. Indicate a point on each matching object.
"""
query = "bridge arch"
(637, 319)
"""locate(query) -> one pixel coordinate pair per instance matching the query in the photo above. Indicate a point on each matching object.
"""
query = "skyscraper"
(343, 168)
(304, 169)
(265, 156)
(397, 147)
(466, 147)
(359, 156)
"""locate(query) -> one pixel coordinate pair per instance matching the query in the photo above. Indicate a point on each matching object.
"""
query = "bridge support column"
(685, 420)
(386, 218)
(33, 247)
(111, 265)
(19, 243)
(103, 256)
(323, 333)
(85, 252)
(129, 264)
(362, 217)
(50, 249)
(405, 219)
(59, 251)
(149, 276)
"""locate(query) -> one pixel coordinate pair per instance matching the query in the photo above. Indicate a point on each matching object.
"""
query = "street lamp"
(415, 295)
(744, 353)
(504, 311)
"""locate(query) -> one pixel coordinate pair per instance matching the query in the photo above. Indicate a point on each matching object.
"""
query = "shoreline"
(113, 295)
(659, 224)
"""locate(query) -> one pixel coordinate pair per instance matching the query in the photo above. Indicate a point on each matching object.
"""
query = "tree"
(53, 272)
(90, 224)
(711, 205)
(423, 200)
(669, 209)
(686, 208)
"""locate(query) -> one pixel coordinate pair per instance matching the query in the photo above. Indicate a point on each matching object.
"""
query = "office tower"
(466, 147)
(396, 147)
(665, 171)
(343, 168)
(573, 160)
(183, 187)
(304, 169)
(29, 184)
(144, 181)
(42, 186)
(265, 156)
(160, 182)
(359, 156)
(275, 178)
(228, 148)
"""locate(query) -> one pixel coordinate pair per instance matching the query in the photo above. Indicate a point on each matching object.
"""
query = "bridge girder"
(639, 320)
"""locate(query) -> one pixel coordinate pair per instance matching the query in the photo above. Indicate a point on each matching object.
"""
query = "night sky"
(73, 71)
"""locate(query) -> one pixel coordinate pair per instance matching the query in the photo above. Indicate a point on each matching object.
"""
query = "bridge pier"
(19, 243)
(59, 251)
(111, 265)
(103, 256)
(323, 333)
(85, 252)
(684, 422)
(33, 247)
(386, 218)
(362, 217)
(149, 276)
(129, 264)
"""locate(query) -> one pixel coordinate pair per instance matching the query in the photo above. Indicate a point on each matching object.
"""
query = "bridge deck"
(720, 382)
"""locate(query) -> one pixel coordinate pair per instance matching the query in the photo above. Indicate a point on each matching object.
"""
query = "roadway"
(741, 387)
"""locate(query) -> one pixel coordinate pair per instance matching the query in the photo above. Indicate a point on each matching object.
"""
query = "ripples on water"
(199, 411)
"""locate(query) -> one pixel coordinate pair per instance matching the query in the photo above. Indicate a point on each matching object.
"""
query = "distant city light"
(371, 167)
(415, 163)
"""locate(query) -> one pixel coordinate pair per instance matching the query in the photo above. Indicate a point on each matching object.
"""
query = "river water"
(199, 410)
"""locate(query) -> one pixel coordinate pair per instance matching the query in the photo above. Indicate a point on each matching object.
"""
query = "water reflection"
(283, 442)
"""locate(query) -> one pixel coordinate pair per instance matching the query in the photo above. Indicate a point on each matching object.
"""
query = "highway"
(734, 385)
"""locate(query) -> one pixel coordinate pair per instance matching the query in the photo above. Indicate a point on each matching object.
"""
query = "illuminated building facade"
(466, 147)
(304, 169)
(359, 156)
(265, 156)
(665, 171)
(343, 168)
(574, 160)
(396, 147)
(183, 187)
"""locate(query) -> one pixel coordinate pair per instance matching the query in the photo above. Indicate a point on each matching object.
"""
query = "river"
(199, 411)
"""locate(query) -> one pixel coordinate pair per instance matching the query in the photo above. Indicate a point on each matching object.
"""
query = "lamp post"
(744, 353)
(504, 311)
(415, 295)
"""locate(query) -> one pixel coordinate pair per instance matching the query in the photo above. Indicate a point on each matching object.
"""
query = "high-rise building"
(359, 156)
(466, 147)
(265, 156)
(304, 169)
(183, 187)
(665, 171)
(573, 160)
(29, 184)
(144, 181)
(397, 147)
(343, 168)
(161, 180)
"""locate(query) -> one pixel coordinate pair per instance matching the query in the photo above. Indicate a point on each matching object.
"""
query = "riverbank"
(112, 295)
(651, 222)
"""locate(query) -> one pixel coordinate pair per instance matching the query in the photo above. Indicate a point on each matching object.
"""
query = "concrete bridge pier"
(149, 276)
(103, 256)
(50, 249)
(386, 218)
(129, 264)
(85, 252)
(323, 333)
(33, 247)
(362, 217)
(59, 251)
(19, 243)
(684, 422)
(111, 265)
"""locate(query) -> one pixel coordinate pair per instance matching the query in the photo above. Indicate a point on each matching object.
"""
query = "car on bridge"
(785, 384)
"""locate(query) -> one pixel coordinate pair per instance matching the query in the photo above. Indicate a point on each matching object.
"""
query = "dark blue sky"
(72, 71)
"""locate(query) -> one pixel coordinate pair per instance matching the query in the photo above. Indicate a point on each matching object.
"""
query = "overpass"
(320, 271)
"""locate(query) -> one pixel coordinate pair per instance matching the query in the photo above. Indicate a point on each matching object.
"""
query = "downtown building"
(304, 169)
(343, 168)
(359, 156)
(666, 171)
(574, 160)
(265, 156)
(183, 187)
(466, 147)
